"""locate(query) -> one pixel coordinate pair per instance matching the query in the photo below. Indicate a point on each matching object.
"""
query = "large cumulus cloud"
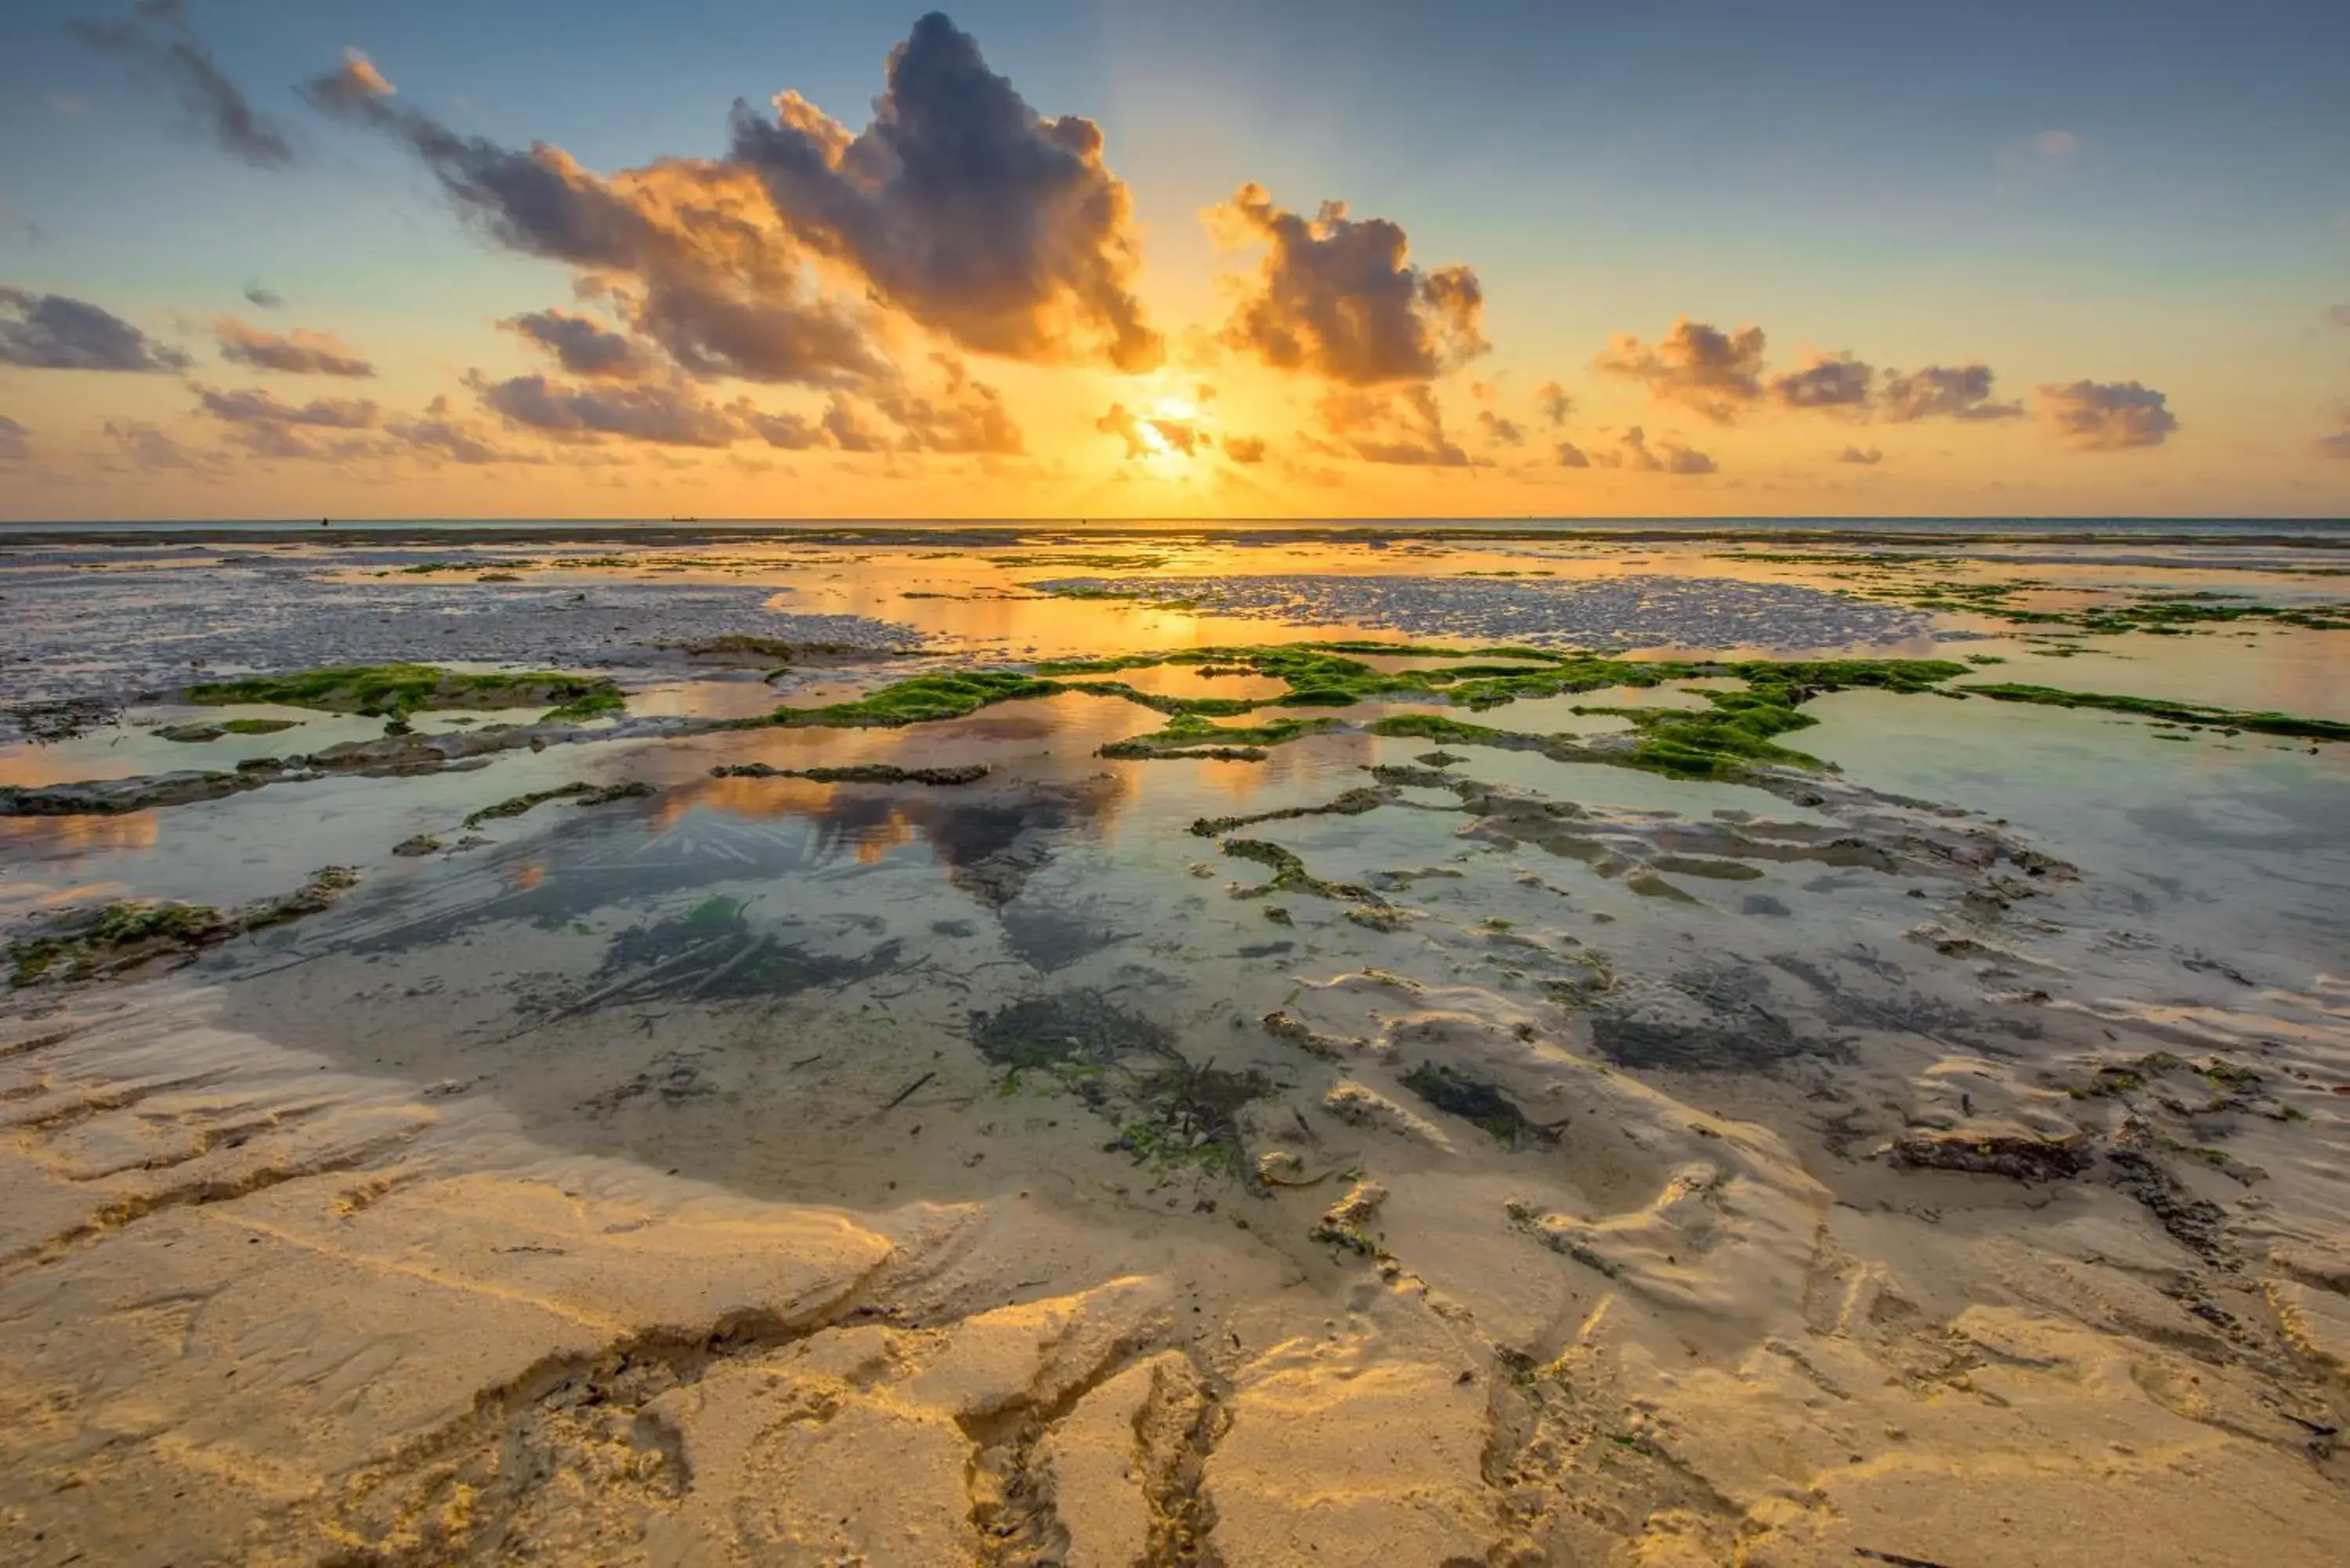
(962, 205)
(1633, 452)
(1340, 296)
(53, 332)
(798, 257)
(689, 249)
(2106, 416)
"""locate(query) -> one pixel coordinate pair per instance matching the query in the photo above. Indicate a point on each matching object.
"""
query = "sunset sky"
(392, 258)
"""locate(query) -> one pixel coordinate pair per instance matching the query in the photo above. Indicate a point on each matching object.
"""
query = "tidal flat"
(1176, 1047)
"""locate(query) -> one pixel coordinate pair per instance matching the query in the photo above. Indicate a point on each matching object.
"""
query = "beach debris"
(1456, 1092)
(902, 1095)
(44, 723)
(1342, 1223)
(2022, 1158)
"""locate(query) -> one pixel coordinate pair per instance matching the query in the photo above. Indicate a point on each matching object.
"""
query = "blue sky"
(2157, 192)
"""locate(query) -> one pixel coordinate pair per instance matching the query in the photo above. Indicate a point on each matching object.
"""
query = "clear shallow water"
(1620, 1055)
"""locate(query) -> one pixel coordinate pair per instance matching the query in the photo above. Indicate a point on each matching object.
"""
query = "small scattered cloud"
(1339, 297)
(1939, 391)
(1405, 428)
(1866, 456)
(301, 352)
(1244, 448)
(1147, 435)
(16, 441)
(1836, 383)
(439, 436)
(144, 448)
(1553, 403)
(71, 106)
(674, 414)
(849, 429)
(1714, 373)
(2339, 316)
(1633, 452)
(584, 346)
(1573, 456)
(1122, 422)
(2106, 416)
(2057, 146)
(263, 298)
(2337, 445)
(156, 38)
(1500, 431)
(322, 429)
(254, 406)
(52, 332)
(788, 432)
(967, 416)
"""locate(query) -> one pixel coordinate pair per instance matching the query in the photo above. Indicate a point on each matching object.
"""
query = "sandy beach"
(1175, 1048)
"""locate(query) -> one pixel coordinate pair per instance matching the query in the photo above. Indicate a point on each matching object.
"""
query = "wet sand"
(1936, 1158)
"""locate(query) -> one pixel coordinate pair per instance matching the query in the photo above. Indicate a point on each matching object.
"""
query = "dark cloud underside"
(51, 332)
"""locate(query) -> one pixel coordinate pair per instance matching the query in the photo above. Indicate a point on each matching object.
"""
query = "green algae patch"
(1169, 1114)
(396, 690)
(1734, 733)
(2264, 723)
(1437, 727)
(745, 645)
(1289, 873)
(123, 935)
(1187, 735)
(1075, 1028)
(602, 701)
(585, 794)
(1185, 1116)
(921, 700)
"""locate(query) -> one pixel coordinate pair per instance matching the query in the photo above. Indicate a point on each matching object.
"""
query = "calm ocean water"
(2328, 528)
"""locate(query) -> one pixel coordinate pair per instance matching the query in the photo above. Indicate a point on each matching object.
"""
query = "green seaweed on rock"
(585, 794)
(127, 933)
(921, 700)
(396, 690)
(2264, 723)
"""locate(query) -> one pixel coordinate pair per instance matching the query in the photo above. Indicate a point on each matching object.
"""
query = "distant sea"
(2330, 528)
